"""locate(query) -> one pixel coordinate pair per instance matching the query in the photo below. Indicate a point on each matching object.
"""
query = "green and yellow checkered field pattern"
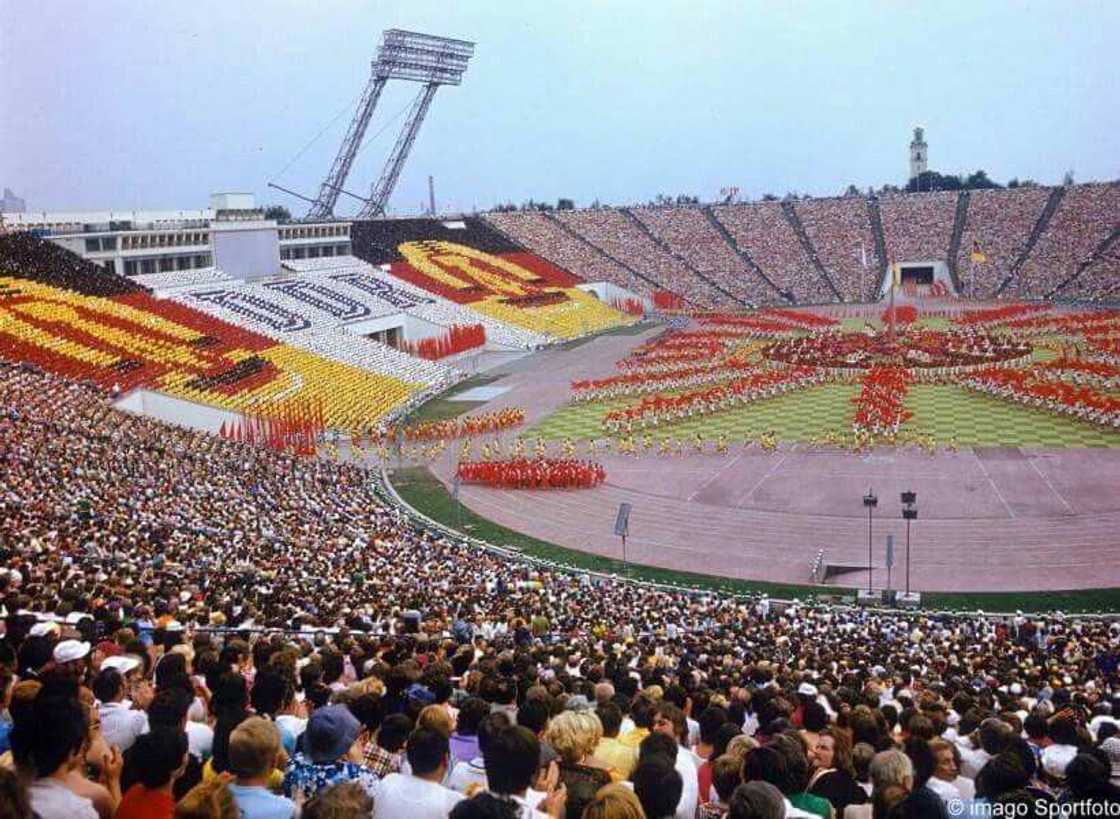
(947, 413)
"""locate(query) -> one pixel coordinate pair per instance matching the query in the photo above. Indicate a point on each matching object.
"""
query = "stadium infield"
(1026, 510)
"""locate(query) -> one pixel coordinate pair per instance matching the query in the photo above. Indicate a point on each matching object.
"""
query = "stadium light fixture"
(870, 501)
(909, 513)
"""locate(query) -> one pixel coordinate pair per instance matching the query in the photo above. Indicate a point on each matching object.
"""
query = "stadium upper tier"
(1022, 242)
(468, 263)
(69, 316)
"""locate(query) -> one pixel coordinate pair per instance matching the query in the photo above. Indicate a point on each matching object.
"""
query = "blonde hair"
(210, 799)
(574, 735)
(253, 746)
(741, 745)
(614, 801)
(436, 718)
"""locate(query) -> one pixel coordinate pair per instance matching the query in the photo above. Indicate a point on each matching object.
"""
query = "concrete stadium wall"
(176, 410)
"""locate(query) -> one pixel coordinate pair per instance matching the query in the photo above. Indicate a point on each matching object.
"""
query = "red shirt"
(143, 803)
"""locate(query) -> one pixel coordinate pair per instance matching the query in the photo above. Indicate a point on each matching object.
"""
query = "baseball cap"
(70, 650)
(330, 732)
(122, 663)
(43, 629)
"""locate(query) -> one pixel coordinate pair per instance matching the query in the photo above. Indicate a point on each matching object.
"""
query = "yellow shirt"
(619, 756)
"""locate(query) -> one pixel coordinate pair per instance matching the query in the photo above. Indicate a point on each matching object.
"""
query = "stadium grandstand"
(795, 508)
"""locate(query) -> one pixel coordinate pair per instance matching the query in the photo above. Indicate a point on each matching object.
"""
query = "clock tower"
(919, 153)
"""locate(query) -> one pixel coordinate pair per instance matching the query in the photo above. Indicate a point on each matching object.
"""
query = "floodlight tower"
(403, 55)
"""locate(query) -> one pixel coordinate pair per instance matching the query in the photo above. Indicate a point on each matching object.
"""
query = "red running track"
(995, 519)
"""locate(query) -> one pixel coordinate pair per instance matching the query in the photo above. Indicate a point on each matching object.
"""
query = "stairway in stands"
(959, 223)
(880, 243)
(657, 241)
(1109, 241)
(1039, 228)
(581, 238)
(722, 230)
(807, 244)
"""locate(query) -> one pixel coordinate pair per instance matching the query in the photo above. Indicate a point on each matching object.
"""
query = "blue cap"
(331, 731)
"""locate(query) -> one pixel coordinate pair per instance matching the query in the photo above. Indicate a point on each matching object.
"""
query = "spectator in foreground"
(209, 800)
(419, 794)
(162, 758)
(329, 755)
(344, 800)
(614, 802)
(658, 787)
(254, 748)
(757, 800)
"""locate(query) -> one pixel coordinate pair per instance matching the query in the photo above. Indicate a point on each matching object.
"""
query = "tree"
(933, 181)
(565, 204)
(769, 197)
(852, 190)
(1068, 178)
(278, 212)
(979, 180)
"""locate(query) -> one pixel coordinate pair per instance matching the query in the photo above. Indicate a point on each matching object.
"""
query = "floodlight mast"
(403, 55)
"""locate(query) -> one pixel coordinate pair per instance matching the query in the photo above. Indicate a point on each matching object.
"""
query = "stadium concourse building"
(144, 242)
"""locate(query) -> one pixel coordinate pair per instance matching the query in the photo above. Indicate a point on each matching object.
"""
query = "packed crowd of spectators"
(840, 231)
(918, 226)
(688, 233)
(1085, 217)
(548, 239)
(999, 226)
(617, 234)
(23, 255)
(199, 628)
(765, 233)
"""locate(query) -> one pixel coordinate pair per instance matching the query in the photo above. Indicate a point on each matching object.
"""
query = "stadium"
(356, 514)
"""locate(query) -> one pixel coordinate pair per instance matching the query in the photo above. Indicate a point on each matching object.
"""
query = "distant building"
(11, 203)
(919, 153)
(133, 243)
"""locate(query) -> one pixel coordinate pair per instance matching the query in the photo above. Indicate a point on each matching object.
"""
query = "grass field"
(945, 412)
(441, 407)
(421, 490)
(978, 420)
(796, 416)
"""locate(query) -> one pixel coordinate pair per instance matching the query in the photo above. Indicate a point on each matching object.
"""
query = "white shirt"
(121, 725)
(465, 774)
(972, 760)
(408, 797)
(690, 793)
(53, 800)
(946, 790)
(200, 739)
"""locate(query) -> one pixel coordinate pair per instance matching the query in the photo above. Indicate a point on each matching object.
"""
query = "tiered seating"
(180, 278)
(999, 225)
(918, 226)
(552, 242)
(763, 231)
(1085, 217)
(311, 312)
(837, 228)
(689, 233)
(1098, 282)
(121, 337)
(612, 231)
(495, 279)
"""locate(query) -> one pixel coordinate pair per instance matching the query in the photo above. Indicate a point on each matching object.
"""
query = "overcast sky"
(139, 104)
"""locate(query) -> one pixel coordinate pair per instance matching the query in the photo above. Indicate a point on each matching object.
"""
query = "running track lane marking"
(719, 472)
(992, 484)
(765, 476)
(1049, 485)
